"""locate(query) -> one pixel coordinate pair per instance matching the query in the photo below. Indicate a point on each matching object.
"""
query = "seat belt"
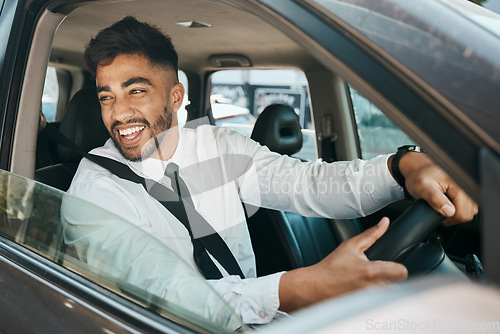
(212, 242)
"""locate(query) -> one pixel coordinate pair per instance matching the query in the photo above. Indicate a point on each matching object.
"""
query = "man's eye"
(136, 91)
(104, 98)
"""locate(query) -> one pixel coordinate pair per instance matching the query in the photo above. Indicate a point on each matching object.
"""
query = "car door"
(50, 281)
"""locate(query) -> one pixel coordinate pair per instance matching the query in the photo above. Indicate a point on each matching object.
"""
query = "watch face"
(413, 148)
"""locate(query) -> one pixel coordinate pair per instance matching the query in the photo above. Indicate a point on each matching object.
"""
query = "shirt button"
(262, 314)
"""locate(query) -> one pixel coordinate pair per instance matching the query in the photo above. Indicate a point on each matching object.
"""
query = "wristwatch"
(395, 165)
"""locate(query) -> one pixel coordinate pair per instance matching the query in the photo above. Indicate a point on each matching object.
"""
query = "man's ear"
(177, 94)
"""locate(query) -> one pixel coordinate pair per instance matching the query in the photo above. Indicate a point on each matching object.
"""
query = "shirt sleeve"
(256, 300)
(344, 189)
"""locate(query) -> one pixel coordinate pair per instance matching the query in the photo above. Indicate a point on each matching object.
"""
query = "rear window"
(239, 96)
(50, 97)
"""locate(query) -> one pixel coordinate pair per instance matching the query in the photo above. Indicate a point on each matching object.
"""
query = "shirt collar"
(152, 168)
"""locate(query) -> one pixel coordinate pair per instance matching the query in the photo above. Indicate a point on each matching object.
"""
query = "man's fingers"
(439, 201)
(431, 184)
(453, 203)
(466, 209)
(364, 240)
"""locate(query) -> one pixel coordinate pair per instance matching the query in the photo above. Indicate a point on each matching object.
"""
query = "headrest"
(82, 123)
(278, 128)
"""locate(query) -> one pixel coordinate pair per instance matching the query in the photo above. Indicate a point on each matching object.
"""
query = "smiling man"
(135, 67)
(136, 109)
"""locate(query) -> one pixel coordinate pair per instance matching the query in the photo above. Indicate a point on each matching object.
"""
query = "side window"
(73, 233)
(377, 134)
(182, 113)
(239, 96)
(50, 96)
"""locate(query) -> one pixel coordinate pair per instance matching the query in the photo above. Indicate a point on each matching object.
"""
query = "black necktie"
(183, 209)
(180, 204)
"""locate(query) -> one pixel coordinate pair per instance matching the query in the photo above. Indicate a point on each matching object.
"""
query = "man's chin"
(133, 154)
(141, 152)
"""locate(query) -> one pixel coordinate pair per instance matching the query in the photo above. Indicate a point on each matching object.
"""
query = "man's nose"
(122, 110)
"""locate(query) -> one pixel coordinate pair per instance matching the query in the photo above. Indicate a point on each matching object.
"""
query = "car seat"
(284, 240)
(82, 124)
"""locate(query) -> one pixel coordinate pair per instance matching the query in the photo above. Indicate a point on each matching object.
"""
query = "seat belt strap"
(213, 242)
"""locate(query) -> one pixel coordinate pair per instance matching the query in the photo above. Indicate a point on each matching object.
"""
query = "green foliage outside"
(29, 212)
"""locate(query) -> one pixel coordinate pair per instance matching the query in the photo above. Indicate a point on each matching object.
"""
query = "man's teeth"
(129, 131)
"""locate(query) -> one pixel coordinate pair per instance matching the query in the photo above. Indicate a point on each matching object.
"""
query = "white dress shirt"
(221, 169)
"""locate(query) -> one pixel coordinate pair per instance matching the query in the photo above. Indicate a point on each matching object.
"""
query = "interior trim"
(25, 135)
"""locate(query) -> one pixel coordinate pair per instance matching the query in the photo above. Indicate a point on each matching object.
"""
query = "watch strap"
(396, 172)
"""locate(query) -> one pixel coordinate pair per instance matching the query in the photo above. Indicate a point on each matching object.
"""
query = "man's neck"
(168, 145)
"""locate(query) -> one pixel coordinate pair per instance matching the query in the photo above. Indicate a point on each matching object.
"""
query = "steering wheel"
(406, 233)
(403, 243)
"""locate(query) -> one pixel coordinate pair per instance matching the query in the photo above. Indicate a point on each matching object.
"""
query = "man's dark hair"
(129, 37)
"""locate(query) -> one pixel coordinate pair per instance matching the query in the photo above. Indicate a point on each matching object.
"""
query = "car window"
(238, 97)
(76, 235)
(377, 134)
(182, 112)
(412, 36)
(50, 97)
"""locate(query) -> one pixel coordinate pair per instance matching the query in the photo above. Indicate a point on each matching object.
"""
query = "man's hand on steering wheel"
(347, 268)
(425, 180)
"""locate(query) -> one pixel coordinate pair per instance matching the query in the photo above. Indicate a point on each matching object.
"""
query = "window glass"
(452, 61)
(182, 113)
(377, 134)
(96, 244)
(239, 96)
(50, 95)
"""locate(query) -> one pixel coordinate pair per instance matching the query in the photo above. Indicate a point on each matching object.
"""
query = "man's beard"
(157, 131)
